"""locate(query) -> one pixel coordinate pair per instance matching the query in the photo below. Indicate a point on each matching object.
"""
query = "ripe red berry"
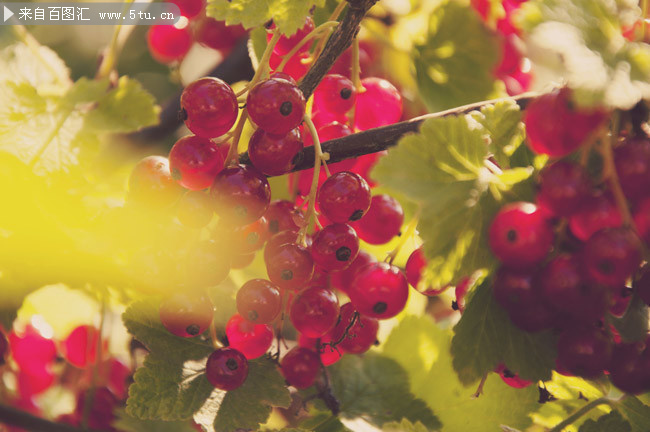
(31, 351)
(252, 340)
(226, 369)
(151, 183)
(597, 212)
(276, 106)
(629, 369)
(315, 311)
(414, 267)
(379, 291)
(328, 355)
(101, 413)
(216, 34)
(555, 127)
(275, 154)
(186, 315)
(511, 378)
(378, 104)
(295, 68)
(563, 188)
(632, 160)
(168, 43)
(277, 240)
(300, 366)
(80, 347)
(335, 247)
(520, 235)
(241, 195)
(611, 256)
(345, 196)
(290, 267)
(195, 162)
(283, 215)
(343, 279)
(259, 301)
(286, 43)
(195, 209)
(361, 336)
(584, 352)
(382, 222)
(209, 106)
(335, 94)
(190, 8)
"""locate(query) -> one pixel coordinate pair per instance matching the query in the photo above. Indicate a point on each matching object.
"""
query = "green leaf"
(612, 422)
(433, 379)
(37, 66)
(248, 406)
(485, 337)
(127, 423)
(288, 15)
(256, 45)
(454, 65)
(633, 325)
(581, 41)
(443, 169)
(404, 426)
(636, 413)
(323, 422)
(377, 388)
(126, 108)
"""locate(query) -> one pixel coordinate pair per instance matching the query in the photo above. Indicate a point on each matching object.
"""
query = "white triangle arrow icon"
(8, 13)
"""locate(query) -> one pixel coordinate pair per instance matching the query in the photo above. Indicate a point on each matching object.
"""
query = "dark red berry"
(4, 348)
(379, 291)
(342, 279)
(101, 413)
(167, 43)
(226, 369)
(520, 235)
(611, 256)
(216, 34)
(632, 160)
(335, 247)
(335, 94)
(195, 162)
(252, 340)
(275, 154)
(382, 222)
(283, 215)
(597, 212)
(563, 188)
(361, 336)
(378, 104)
(642, 219)
(290, 267)
(195, 209)
(629, 369)
(642, 285)
(276, 106)
(345, 196)
(241, 195)
(300, 366)
(584, 351)
(151, 183)
(315, 311)
(186, 315)
(259, 301)
(209, 106)
(277, 240)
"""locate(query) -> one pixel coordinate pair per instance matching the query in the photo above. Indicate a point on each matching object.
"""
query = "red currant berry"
(328, 355)
(414, 267)
(584, 352)
(291, 267)
(217, 35)
(195, 209)
(275, 155)
(378, 104)
(276, 106)
(252, 340)
(344, 197)
(259, 301)
(335, 247)
(31, 351)
(80, 347)
(286, 43)
(379, 291)
(642, 219)
(283, 215)
(226, 369)
(151, 183)
(343, 279)
(300, 366)
(563, 188)
(186, 315)
(241, 195)
(520, 235)
(209, 106)
(361, 336)
(190, 8)
(118, 377)
(101, 413)
(343, 65)
(206, 265)
(629, 369)
(597, 212)
(335, 94)
(511, 378)
(242, 261)
(382, 222)
(555, 127)
(632, 160)
(167, 43)
(295, 68)
(612, 255)
(315, 311)
(195, 162)
(279, 239)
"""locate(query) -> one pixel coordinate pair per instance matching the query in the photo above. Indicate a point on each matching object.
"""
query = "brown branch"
(340, 40)
(382, 138)
(15, 417)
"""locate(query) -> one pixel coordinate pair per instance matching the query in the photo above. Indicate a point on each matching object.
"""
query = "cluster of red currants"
(169, 44)
(36, 365)
(567, 261)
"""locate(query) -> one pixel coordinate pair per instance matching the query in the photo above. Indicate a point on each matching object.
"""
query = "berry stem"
(644, 15)
(579, 413)
(333, 344)
(610, 170)
(114, 48)
(410, 230)
(234, 144)
(356, 78)
(479, 389)
(321, 29)
(90, 394)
